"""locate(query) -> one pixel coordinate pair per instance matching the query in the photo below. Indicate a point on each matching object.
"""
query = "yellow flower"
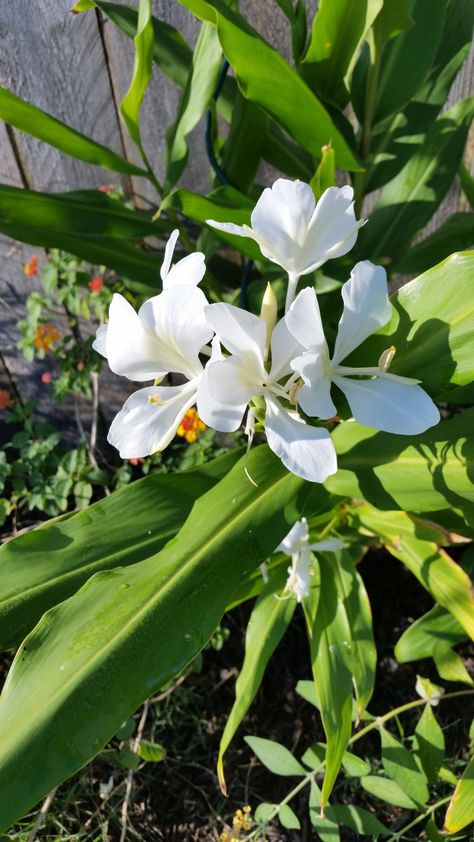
(191, 425)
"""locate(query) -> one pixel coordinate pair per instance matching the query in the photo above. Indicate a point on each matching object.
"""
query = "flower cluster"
(241, 822)
(235, 363)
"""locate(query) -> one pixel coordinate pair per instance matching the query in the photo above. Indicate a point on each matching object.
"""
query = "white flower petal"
(230, 228)
(240, 332)
(332, 230)
(297, 536)
(329, 545)
(169, 250)
(388, 405)
(314, 397)
(180, 328)
(280, 219)
(100, 342)
(187, 272)
(284, 348)
(299, 574)
(306, 451)
(142, 428)
(366, 308)
(304, 322)
(223, 394)
(132, 351)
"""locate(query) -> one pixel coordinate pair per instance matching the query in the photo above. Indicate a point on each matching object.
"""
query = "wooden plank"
(56, 61)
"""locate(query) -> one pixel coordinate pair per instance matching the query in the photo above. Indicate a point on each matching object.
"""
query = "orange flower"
(136, 460)
(31, 268)
(81, 366)
(107, 188)
(96, 284)
(45, 335)
(46, 377)
(5, 399)
(190, 426)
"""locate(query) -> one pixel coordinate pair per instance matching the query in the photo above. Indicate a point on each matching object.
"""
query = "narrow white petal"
(333, 228)
(132, 351)
(223, 394)
(100, 342)
(240, 332)
(299, 574)
(389, 406)
(180, 328)
(187, 272)
(284, 348)
(304, 321)
(169, 250)
(306, 451)
(230, 228)
(142, 428)
(314, 397)
(297, 536)
(329, 545)
(366, 308)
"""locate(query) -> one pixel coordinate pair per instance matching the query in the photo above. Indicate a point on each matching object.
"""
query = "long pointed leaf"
(44, 567)
(93, 659)
(32, 120)
(132, 101)
(267, 624)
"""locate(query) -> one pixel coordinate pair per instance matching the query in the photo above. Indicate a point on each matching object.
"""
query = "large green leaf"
(406, 204)
(339, 28)
(420, 639)
(142, 67)
(429, 744)
(455, 234)
(426, 473)
(460, 812)
(87, 224)
(395, 139)
(267, 624)
(329, 638)
(352, 592)
(405, 59)
(170, 51)
(94, 658)
(44, 567)
(245, 143)
(260, 71)
(194, 100)
(431, 328)
(446, 581)
(225, 204)
(32, 120)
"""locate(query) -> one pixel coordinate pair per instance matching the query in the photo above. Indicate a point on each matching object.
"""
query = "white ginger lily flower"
(380, 400)
(166, 335)
(295, 231)
(229, 384)
(296, 544)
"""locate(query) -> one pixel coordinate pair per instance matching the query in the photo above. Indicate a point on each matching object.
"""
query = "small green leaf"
(450, 665)
(429, 744)
(358, 819)
(387, 790)
(150, 751)
(353, 765)
(264, 812)
(288, 818)
(401, 767)
(275, 757)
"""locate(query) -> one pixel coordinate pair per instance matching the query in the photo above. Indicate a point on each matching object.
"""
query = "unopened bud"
(269, 313)
(386, 358)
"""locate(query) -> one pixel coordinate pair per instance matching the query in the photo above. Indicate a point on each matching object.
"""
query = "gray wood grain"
(55, 60)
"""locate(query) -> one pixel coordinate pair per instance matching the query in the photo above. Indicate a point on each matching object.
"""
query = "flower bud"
(269, 313)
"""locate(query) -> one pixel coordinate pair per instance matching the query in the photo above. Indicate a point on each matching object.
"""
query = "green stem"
(379, 720)
(366, 135)
(419, 819)
(301, 785)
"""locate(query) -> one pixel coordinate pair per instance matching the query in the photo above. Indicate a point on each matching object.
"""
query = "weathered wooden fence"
(77, 67)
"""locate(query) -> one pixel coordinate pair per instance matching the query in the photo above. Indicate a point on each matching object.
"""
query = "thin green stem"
(379, 720)
(431, 809)
(296, 789)
(331, 525)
